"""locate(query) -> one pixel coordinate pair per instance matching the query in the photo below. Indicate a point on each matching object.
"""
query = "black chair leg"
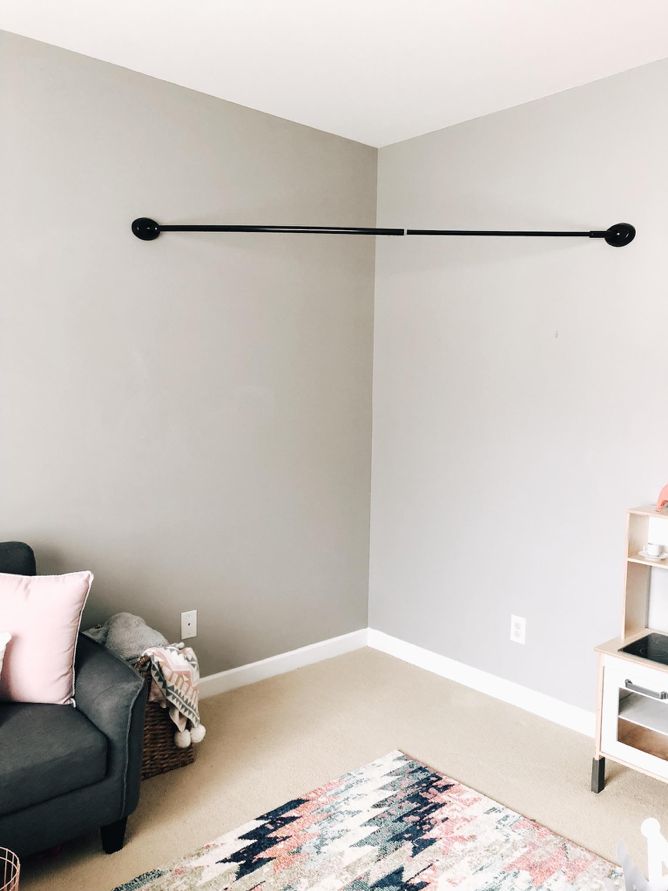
(598, 775)
(113, 836)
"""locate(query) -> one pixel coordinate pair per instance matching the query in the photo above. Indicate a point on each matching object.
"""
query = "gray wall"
(519, 401)
(189, 418)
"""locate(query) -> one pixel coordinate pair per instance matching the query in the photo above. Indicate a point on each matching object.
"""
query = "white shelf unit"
(644, 524)
(632, 710)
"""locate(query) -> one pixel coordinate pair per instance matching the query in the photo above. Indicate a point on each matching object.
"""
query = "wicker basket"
(10, 870)
(160, 751)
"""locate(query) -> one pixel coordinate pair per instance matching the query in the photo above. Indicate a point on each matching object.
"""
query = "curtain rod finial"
(145, 228)
(620, 234)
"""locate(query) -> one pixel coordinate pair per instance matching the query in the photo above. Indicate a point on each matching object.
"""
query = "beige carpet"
(268, 742)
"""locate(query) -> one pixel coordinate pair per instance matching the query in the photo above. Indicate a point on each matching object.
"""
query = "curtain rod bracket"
(618, 235)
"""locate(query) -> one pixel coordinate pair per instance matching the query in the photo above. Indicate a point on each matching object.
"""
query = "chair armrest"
(112, 696)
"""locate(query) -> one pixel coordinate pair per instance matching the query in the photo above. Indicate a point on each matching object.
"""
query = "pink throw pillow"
(5, 637)
(42, 613)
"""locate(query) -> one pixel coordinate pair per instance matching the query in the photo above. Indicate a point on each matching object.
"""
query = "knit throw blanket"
(175, 685)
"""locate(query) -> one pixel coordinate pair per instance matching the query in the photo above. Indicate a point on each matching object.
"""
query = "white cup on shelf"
(653, 551)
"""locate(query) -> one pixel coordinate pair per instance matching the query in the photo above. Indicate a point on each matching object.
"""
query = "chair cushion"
(45, 751)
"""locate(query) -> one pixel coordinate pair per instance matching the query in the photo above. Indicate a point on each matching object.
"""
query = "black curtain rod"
(617, 236)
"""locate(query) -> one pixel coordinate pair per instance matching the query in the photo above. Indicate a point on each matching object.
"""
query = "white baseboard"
(540, 704)
(212, 684)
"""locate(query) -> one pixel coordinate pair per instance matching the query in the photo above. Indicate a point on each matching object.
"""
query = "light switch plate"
(189, 624)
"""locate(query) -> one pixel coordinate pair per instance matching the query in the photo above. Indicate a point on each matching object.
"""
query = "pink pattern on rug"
(394, 825)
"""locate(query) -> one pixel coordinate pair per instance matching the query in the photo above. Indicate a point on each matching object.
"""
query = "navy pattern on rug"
(394, 824)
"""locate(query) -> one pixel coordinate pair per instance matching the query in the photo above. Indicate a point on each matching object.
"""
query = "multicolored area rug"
(394, 824)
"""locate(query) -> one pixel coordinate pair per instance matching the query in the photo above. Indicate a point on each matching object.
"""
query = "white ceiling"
(377, 71)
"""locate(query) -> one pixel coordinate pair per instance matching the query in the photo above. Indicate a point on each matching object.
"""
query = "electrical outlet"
(189, 624)
(518, 629)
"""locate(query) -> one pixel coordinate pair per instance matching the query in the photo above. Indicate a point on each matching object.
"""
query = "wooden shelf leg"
(598, 774)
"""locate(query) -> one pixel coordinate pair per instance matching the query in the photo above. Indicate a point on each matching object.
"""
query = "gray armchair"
(64, 770)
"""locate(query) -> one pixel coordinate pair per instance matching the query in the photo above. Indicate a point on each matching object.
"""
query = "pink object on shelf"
(42, 614)
(662, 501)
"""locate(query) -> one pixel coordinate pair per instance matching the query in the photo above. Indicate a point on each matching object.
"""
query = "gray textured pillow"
(129, 636)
